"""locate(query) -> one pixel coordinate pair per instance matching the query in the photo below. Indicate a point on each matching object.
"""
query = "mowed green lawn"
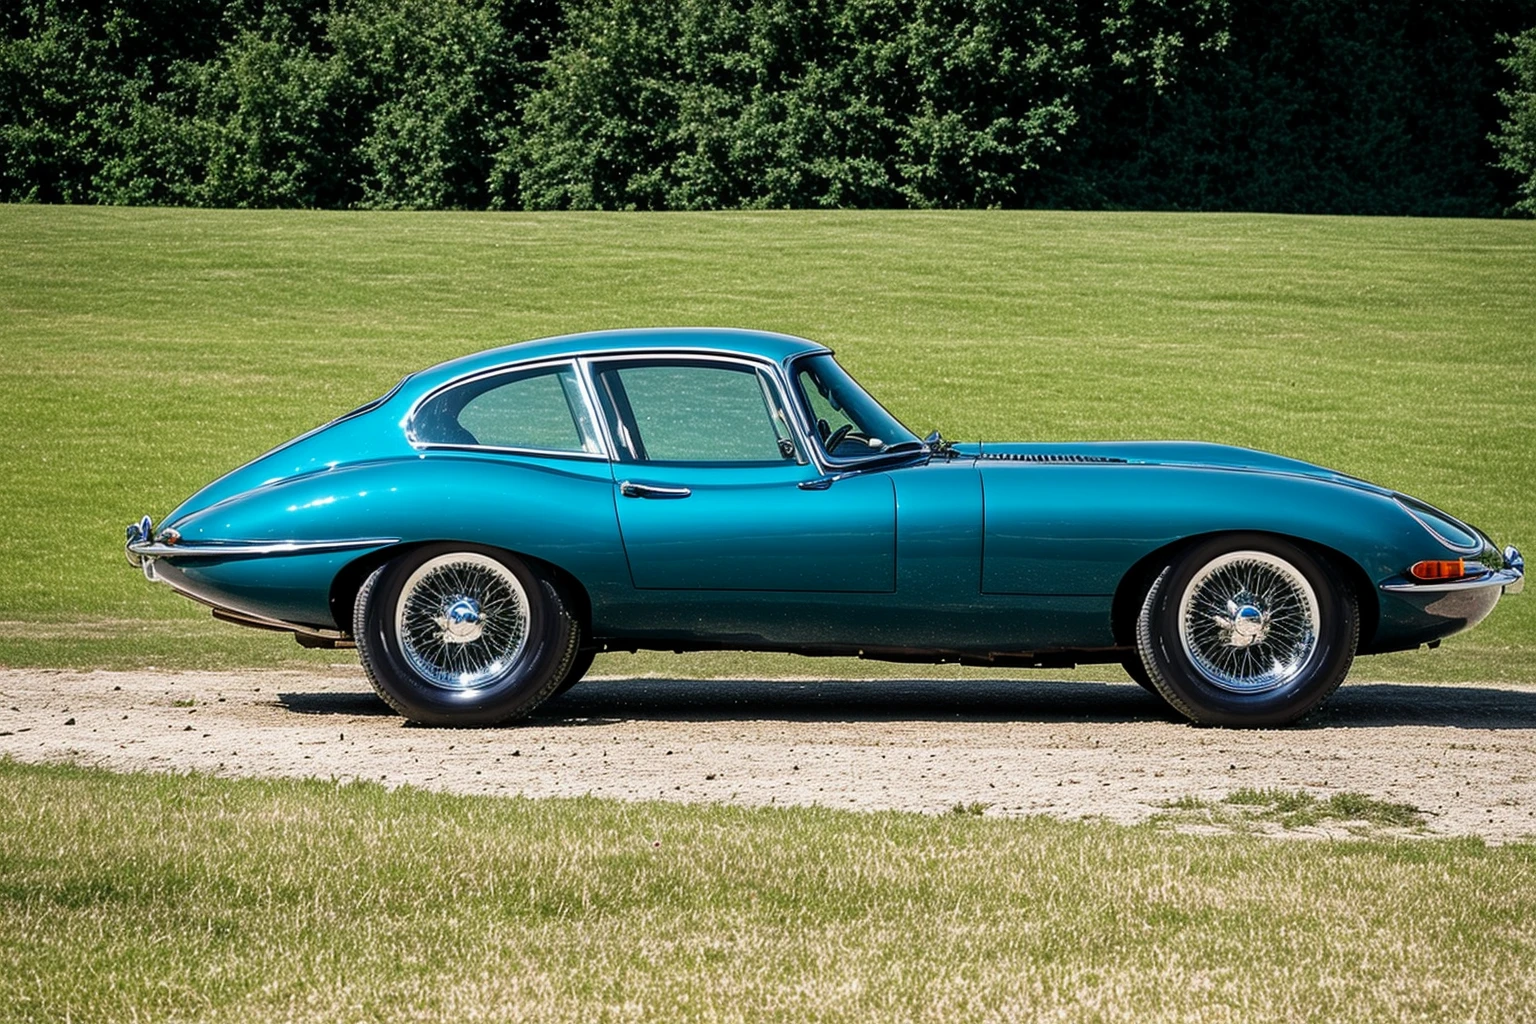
(188, 898)
(143, 352)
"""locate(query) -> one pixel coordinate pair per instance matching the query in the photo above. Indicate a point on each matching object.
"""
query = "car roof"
(762, 344)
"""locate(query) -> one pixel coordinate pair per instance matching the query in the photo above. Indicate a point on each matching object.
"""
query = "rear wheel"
(451, 634)
(1247, 630)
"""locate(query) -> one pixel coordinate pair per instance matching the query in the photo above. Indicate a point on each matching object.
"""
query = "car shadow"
(610, 701)
(884, 700)
(351, 705)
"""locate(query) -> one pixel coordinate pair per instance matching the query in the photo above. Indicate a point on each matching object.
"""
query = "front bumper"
(1415, 612)
(1510, 578)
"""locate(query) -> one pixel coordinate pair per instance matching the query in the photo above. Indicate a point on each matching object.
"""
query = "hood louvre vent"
(1016, 457)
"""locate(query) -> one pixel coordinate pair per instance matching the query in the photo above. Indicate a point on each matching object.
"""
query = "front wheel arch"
(1207, 672)
(1133, 586)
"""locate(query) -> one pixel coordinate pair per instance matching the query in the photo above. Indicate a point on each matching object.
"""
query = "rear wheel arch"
(349, 581)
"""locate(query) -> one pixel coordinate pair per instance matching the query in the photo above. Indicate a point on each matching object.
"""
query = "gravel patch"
(1465, 755)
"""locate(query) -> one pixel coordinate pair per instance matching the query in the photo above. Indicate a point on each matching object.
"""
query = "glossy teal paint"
(776, 620)
(293, 588)
(755, 528)
(968, 553)
(1073, 529)
(557, 510)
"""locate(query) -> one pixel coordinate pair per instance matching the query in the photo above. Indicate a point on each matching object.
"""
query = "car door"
(708, 477)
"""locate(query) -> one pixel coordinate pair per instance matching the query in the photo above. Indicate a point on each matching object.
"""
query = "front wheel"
(457, 635)
(1247, 630)
(577, 670)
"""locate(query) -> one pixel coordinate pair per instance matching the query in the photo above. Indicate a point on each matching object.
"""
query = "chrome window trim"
(772, 368)
(808, 419)
(496, 449)
(408, 422)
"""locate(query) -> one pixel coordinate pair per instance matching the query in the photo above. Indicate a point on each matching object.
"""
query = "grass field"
(147, 351)
(143, 352)
(190, 898)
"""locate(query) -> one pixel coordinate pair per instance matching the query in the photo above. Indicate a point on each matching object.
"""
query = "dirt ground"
(1465, 755)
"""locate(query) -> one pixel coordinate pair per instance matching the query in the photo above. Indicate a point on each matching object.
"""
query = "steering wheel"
(836, 437)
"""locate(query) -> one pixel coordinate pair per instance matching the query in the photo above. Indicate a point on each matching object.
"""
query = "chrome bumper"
(139, 546)
(1511, 578)
(142, 546)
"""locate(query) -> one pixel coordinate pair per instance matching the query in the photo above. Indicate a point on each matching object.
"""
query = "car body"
(688, 489)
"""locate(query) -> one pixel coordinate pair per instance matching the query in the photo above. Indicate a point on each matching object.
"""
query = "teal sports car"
(483, 530)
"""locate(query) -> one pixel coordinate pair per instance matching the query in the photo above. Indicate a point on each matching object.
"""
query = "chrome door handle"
(633, 490)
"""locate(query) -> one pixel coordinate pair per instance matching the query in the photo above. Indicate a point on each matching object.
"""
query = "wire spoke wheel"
(461, 635)
(1249, 622)
(1248, 630)
(462, 620)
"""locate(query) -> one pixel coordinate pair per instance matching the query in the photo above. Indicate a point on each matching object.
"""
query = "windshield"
(849, 423)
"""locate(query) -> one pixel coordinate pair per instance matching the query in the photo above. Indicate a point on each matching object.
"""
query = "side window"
(829, 415)
(539, 409)
(695, 412)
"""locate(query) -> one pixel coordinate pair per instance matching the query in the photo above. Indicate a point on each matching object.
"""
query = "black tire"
(415, 666)
(1265, 662)
(1138, 673)
(578, 668)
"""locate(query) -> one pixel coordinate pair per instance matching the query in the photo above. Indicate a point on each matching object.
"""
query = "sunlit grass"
(165, 897)
(147, 351)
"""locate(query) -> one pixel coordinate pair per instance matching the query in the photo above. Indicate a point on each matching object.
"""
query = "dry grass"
(134, 897)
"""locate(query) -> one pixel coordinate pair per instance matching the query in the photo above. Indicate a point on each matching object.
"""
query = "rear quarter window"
(540, 409)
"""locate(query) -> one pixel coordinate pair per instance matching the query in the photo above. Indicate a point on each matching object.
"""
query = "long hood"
(1191, 454)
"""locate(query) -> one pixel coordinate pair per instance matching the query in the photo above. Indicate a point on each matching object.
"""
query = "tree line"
(1423, 107)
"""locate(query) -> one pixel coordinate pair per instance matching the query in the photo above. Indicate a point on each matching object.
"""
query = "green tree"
(53, 75)
(438, 85)
(1516, 139)
(773, 103)
(1312, 106)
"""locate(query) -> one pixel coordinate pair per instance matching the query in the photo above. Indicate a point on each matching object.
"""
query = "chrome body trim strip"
(476, 449)
(142, 551)
(251, 549)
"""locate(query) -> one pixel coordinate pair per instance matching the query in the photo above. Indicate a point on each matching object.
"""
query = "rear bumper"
(223, 578)
(143, 548)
